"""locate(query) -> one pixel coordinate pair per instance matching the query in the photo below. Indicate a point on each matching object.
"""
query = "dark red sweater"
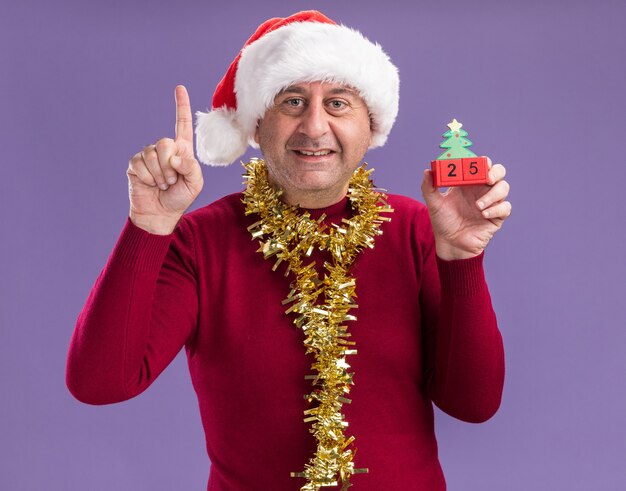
(426, 331)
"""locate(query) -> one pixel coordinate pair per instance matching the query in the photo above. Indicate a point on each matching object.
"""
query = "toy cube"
(447, 172)
(475, 170)
(460, 172)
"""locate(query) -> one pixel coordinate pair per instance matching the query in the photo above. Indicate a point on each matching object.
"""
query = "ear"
(256, 132)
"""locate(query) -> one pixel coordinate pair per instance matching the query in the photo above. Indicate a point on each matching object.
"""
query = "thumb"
(189, 168)
(430, 193)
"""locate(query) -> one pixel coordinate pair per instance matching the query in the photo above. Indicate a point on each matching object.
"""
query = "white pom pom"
(219, 138)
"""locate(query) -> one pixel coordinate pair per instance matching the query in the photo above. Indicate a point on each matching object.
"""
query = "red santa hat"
(304, 47)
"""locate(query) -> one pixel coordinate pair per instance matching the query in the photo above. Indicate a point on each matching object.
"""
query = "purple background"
(538, 85)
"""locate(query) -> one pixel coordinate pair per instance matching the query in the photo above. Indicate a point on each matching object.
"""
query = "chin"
(315, 181)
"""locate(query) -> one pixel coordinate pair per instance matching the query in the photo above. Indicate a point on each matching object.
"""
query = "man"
(261, 334)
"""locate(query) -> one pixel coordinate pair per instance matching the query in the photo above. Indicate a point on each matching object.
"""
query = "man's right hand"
(165, 178)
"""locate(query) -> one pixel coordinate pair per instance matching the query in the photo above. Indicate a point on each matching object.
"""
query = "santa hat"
(304, 47)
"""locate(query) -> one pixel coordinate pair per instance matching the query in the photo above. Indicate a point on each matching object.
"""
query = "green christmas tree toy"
(457, 165)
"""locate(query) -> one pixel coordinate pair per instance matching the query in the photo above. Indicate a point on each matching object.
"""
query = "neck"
(310, 199)
(314, 199)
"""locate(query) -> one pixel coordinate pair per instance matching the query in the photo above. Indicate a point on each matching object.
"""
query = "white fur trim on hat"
(299, 52)
(219, 138)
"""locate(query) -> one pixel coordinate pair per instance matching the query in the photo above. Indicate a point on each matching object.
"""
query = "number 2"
(452, 168)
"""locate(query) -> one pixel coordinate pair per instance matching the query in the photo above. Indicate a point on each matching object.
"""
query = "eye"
(335, 104)
(294, 102)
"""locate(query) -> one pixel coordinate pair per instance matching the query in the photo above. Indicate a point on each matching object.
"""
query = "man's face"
(312, 139)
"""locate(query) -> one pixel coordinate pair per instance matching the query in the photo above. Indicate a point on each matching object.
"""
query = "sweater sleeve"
(463, 349)
(141, 311)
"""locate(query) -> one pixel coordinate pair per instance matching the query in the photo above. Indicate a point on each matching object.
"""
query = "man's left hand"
(465, 218)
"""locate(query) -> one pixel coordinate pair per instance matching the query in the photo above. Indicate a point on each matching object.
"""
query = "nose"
(314, 120)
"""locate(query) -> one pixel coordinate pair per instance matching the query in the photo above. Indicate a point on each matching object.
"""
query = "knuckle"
(150, 158)
(147, 149)
(164, 144)
(134, 160)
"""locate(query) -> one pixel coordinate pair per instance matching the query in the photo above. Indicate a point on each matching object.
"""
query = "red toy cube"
(447, 172)
(475, 169)
(459, 172)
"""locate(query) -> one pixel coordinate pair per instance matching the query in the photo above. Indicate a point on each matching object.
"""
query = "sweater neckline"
(334, 213)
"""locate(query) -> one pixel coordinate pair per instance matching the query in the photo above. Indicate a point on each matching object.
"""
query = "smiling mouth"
(316, 153)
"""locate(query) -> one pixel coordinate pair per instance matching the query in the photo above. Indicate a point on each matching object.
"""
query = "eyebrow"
(294, 89)
(344, 90)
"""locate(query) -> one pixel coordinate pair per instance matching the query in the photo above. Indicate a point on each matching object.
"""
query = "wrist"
(156, 225)
(448, 252)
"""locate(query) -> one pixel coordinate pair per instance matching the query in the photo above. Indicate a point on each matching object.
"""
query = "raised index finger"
(184, 123)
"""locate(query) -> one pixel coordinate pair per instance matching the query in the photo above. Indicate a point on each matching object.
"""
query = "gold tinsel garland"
(291, 235)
